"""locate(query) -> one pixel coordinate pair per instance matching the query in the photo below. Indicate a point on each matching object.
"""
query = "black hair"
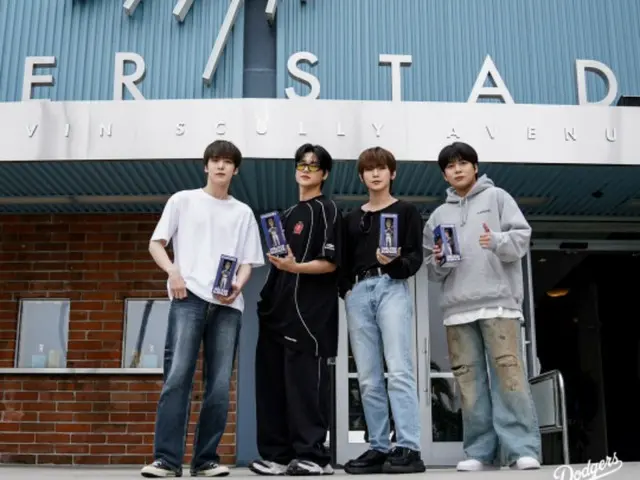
(324, 159)
(457, 151)
(222, 149)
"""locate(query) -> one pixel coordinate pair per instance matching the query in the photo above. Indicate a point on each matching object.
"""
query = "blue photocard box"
(389, 234)
(446, 237)
(273, 234)
(224, 277)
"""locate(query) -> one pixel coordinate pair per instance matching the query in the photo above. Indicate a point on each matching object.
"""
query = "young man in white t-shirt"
(203, 224)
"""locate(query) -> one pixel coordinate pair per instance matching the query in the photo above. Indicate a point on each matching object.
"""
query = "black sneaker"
(210, 469)
(369, 462)
(159, 469)
(404, 460)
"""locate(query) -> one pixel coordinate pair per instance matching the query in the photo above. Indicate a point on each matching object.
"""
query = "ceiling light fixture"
(558, 292)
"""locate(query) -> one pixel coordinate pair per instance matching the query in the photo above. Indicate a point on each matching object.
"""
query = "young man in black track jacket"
(298, 313)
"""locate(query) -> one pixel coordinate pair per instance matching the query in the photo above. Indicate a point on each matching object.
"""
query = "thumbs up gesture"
(485, 238)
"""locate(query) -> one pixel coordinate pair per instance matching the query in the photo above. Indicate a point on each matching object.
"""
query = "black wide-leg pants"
(292, 403)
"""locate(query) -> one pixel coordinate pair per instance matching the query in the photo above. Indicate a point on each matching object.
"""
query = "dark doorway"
(588, 327)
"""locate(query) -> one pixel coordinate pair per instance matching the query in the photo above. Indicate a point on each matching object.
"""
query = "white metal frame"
(529, 345)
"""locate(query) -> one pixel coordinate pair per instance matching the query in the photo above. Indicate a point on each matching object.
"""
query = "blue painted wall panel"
(534, 45)
(85, 36)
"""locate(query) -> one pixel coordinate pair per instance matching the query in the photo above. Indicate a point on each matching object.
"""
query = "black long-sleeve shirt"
(361, 240)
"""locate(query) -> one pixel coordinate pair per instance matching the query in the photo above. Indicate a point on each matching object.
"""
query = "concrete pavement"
(627, 471)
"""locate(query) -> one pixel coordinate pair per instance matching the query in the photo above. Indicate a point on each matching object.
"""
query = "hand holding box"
(446, 237)
(274, 234)
(389, 234)
(224, 277)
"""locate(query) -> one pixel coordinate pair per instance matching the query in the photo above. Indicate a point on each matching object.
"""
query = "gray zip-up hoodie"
(484, 277)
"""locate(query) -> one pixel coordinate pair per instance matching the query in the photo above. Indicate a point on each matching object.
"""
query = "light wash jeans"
(380, 320)
(503, 414)
(193, 321)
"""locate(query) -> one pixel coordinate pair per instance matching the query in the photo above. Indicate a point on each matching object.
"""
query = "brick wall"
(97, 261)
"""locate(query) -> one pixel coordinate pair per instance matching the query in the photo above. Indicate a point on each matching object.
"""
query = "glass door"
(440, 413)
(352, 438)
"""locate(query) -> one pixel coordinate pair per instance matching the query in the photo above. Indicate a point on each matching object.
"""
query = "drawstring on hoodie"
(464, 210)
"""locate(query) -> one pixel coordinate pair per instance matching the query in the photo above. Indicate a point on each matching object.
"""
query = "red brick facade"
(97, 261)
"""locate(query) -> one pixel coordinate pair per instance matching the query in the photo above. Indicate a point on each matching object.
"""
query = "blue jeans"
(501, 413)
(380, 320)
(193, 321)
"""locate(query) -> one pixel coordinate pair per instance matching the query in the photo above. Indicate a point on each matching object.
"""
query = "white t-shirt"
(202, 229)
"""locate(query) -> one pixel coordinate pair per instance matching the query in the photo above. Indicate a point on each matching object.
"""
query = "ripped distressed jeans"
(497, 406)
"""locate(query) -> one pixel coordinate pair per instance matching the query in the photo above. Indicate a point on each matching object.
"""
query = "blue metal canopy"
(143, 186)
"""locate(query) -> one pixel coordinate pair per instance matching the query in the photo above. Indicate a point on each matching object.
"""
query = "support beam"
(270, 11)
(130, 6)
(221, 41)
(181, 9)
(628, 101)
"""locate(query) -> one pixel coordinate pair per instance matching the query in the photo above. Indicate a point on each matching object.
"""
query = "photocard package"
(389, 234)
(446, 237)
(273, 234)
(224, 277)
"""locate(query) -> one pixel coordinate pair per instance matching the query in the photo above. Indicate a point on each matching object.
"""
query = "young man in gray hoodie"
(482, 305)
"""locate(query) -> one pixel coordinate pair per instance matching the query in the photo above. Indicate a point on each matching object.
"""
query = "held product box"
(273, 233)
(224, 277)
(446, 237)
(389, 234)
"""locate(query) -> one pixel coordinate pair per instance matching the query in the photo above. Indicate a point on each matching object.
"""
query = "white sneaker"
(266, 467)
(526, 463)
(211, 469)
(305, 467)
(473, 465)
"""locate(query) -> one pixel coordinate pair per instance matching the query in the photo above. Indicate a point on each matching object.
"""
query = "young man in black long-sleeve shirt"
(298, 312)
(380, 315)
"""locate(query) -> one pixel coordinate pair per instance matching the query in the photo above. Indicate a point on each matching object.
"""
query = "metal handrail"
(560, 409)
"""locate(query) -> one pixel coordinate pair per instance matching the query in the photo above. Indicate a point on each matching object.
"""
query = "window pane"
(446, 417)
(145, 331)
(439, 349)
(446, 413)
(43, 333)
